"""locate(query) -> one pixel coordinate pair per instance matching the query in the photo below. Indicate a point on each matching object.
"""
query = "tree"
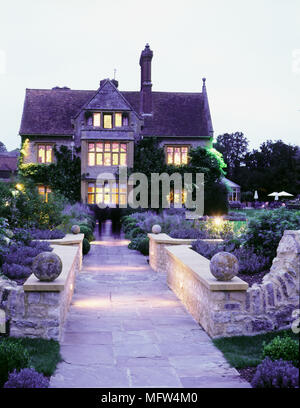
(2, 148)
(233, 147)
(274, 167)
(149, 158)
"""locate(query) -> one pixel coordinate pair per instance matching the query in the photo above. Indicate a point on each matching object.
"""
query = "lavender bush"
(276, 374)
(46, 234)
(26, 378)
(187, 233)
(18, 260)
(249, 261)
(21, 235)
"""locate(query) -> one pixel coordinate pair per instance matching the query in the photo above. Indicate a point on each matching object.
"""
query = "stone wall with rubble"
(228, 310)
(40, 311)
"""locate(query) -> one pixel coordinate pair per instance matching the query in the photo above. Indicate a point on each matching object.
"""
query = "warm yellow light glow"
(121, 242)
(118, 302)
(91, 303)
(19, 187)
(218, 221)
(115, 268)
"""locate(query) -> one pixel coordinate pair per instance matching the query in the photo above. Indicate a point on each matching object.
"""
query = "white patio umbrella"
(285, 194)
(274, 194)
(255, 195)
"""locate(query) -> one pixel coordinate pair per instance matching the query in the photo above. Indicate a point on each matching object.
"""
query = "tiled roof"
(8, 163)
(49, 112)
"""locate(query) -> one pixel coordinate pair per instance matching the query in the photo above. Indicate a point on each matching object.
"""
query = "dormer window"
(118, 120)
(97, 119)
(107, 120)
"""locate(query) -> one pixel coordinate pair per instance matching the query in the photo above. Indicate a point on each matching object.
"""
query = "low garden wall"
(157, 253)
(231, 308)
(39, 309)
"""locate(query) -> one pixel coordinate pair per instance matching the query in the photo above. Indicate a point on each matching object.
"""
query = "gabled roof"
(108, 97)
(229, 183)
(49, 112)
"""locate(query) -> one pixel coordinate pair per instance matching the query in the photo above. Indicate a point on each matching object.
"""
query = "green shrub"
(143, 246)
(129, 226)
(140, 243)
(282, 347)
(134, 233)
(266, 229)
(88, 234)
(86, 246)
(12, 356)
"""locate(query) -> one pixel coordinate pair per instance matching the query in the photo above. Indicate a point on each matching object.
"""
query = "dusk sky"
(249, 51)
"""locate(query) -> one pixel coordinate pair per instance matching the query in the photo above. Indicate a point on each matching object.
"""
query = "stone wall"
(231, 308)
(39, 309)
(157, 245)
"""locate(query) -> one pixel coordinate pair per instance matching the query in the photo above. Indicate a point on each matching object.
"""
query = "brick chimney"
(146, 85)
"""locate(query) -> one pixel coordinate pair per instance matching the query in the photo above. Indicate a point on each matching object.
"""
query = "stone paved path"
(126, 328)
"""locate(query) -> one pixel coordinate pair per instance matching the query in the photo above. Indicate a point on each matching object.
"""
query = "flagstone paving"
(126, 328)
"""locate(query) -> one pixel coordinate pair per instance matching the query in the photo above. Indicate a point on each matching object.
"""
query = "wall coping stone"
(69, 239)
(163, 238)
(199, 267)
(68, 257)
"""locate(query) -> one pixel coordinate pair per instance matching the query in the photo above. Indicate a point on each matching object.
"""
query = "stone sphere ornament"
(156, 229)
(224, 266)
(47, 266)
(75, 229)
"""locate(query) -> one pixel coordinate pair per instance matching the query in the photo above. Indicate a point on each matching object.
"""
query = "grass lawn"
(252, 212)
(44, 354)
(246, 351)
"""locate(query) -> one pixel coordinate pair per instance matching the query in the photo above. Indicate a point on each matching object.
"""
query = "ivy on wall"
(62, 176)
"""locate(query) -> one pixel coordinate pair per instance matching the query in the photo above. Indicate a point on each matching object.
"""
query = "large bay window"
(45, 153)
(107, 154)
(109, 194)
(177, 155)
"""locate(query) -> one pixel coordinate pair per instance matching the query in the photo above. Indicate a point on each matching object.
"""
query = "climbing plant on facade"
(62, 176)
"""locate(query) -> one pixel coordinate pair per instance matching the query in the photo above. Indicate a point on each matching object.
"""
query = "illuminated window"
(45, 153)
(107, 154)
(177, 155)
(44, 191)
(110, 194)
(97, 119)
(107, 120)
(177, 196)
(118, 120)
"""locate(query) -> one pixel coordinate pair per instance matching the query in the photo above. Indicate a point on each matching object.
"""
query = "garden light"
(19, 187)
(218, 221)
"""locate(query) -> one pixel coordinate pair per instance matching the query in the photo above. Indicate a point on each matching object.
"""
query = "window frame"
(112, 154)
(173, 146)
(46, 191)
(93, 121)
(39, 144)
(124, 115)
(105, 192)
